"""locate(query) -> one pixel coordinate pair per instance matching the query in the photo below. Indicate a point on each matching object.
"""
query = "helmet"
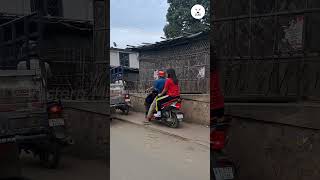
(161, 73)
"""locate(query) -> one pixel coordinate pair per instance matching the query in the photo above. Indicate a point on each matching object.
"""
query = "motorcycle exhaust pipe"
(70, 141)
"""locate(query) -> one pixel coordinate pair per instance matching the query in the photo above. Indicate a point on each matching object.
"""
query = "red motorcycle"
(171, 114)
(222, 167)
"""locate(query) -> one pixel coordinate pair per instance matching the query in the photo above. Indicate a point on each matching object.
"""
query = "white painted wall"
(115, 59)
(134, 62)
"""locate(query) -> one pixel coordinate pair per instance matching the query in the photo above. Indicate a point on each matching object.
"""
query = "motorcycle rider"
(158, 84)
(171, 91)
(157, 88)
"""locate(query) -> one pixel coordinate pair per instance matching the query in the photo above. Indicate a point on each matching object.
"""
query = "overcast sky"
(136, 21)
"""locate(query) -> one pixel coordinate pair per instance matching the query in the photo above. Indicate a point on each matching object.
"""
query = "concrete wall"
(275, 141)
(88, 124)
(195, 107)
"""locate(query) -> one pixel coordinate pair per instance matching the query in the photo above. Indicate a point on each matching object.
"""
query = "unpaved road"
(138, 153)
(70, 169)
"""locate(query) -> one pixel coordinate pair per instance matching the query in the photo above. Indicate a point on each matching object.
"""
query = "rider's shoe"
(158, 114)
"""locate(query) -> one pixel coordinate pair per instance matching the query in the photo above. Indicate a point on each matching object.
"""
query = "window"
(124, 59)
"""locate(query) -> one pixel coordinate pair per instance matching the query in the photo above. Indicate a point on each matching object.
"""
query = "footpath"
(190, 132)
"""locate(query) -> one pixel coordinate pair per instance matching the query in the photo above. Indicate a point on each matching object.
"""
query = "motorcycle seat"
(169, 103)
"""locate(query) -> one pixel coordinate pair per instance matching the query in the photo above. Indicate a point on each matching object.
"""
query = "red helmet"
(161, 73)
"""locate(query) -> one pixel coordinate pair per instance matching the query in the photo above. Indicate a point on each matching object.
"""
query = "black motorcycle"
(47, 145)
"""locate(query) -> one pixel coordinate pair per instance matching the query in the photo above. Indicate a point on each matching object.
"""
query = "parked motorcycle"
(119, 99)
(222, 167)
(47, 146)
(171, 114)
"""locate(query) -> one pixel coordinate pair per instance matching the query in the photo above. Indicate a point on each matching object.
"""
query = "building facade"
(123, 57)
(189, 56)
(124, 65)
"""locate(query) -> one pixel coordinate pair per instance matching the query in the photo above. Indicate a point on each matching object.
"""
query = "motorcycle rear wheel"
(215, 156)
(174, 122)
(126, 110)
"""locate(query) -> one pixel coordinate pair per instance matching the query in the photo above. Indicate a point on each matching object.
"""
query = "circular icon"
(198, 11)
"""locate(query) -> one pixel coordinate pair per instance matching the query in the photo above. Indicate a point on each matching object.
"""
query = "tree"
(180, 20)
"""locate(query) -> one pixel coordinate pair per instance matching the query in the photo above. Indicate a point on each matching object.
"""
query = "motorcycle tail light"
(217, 139)
(55, 109)
(178, 106)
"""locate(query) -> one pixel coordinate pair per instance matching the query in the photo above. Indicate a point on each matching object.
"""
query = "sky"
(133, 22)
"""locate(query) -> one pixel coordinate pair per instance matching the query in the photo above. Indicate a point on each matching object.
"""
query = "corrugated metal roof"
(122, 50)
(172, 42)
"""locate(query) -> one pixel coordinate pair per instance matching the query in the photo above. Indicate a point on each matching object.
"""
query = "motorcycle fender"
(176, 111)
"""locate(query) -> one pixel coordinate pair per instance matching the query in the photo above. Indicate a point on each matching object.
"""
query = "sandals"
(146, 121)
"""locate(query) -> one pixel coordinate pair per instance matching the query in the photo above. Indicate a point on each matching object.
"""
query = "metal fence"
(291, 78)
(268, 48)
(82, 73)
(142, 86)
(191, 62)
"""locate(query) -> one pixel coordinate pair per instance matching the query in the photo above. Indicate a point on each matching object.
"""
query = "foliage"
(180, 20)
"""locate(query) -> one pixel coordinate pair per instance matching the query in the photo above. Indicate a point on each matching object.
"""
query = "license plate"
(180, 116)
(223, 173)
(56, 122)
(127, 100)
